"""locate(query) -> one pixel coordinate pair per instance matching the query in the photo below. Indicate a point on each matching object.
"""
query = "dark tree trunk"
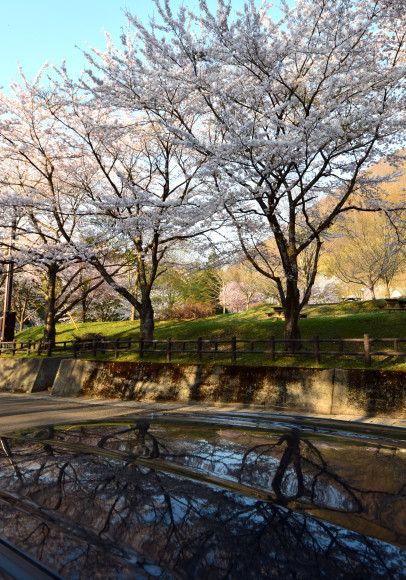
(147, 322)
(292, 310)
(291, 330)
(143, 307)
(50, 303)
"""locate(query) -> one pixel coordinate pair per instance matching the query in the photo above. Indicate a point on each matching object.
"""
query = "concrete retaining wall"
(324, 391)
(27, 375)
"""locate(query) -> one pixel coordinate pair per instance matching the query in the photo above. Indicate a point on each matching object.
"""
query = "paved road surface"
(20, 411)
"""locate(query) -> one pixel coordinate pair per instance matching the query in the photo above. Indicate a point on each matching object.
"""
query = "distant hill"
(366, 225)
(396, 188)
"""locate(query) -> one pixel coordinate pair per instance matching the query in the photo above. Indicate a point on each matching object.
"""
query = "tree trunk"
(222, 296)
(50, 302)
(147, 323)
(21, 314)
(20, 323)
(291, 331)
(84, 309)
(144, 308)
(292, 310)
(387, 288)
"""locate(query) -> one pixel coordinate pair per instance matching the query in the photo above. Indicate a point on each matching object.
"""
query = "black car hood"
(198, 497)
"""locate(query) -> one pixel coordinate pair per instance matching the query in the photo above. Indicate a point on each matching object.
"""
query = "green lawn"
(351, 320)
(345, 320)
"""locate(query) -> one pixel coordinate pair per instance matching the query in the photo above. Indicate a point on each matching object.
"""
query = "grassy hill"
(344, 320)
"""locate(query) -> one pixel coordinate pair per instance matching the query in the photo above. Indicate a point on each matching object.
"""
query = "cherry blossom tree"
(242, 287)
(26, 299)
(142, 191)
(290, 113)
(37, 195)
(325, 289)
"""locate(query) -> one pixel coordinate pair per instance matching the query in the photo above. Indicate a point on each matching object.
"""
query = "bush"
(89, 338)
(189, 311)
(218, 309)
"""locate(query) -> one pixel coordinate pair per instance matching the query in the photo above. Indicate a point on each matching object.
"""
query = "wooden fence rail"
(203, 348)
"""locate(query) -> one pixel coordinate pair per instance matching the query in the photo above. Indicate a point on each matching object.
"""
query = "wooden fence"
(208, 349)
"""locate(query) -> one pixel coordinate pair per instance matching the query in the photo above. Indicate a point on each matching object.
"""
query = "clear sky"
(35, 31)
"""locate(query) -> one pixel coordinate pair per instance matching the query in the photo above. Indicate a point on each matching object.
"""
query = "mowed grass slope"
(329, 321)
(344, 320)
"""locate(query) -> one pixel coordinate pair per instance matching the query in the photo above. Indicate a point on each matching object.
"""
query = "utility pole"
(8, 320)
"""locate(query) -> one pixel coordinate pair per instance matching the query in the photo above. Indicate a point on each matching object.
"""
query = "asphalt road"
(22, 411)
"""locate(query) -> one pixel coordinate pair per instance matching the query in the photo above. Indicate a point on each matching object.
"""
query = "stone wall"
(27, 375)
(324, 391)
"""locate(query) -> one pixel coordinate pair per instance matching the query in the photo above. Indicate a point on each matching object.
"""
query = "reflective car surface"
(199, 497)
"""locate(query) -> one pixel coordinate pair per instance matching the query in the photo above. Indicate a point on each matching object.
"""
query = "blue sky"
(34, 31)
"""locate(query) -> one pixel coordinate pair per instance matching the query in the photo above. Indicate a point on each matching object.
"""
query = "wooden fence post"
(199, 348)
(49, 349)
(234, 349)
(94, 347)
(14, 347)
(28, 347)
(168, 349)
(116, 348)
(316, 350)
(75, 349)
(141, 346)
(367, 350)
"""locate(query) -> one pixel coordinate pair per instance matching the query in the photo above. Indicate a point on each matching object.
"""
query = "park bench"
(395, 304)
(278, 314)
(350, 299)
